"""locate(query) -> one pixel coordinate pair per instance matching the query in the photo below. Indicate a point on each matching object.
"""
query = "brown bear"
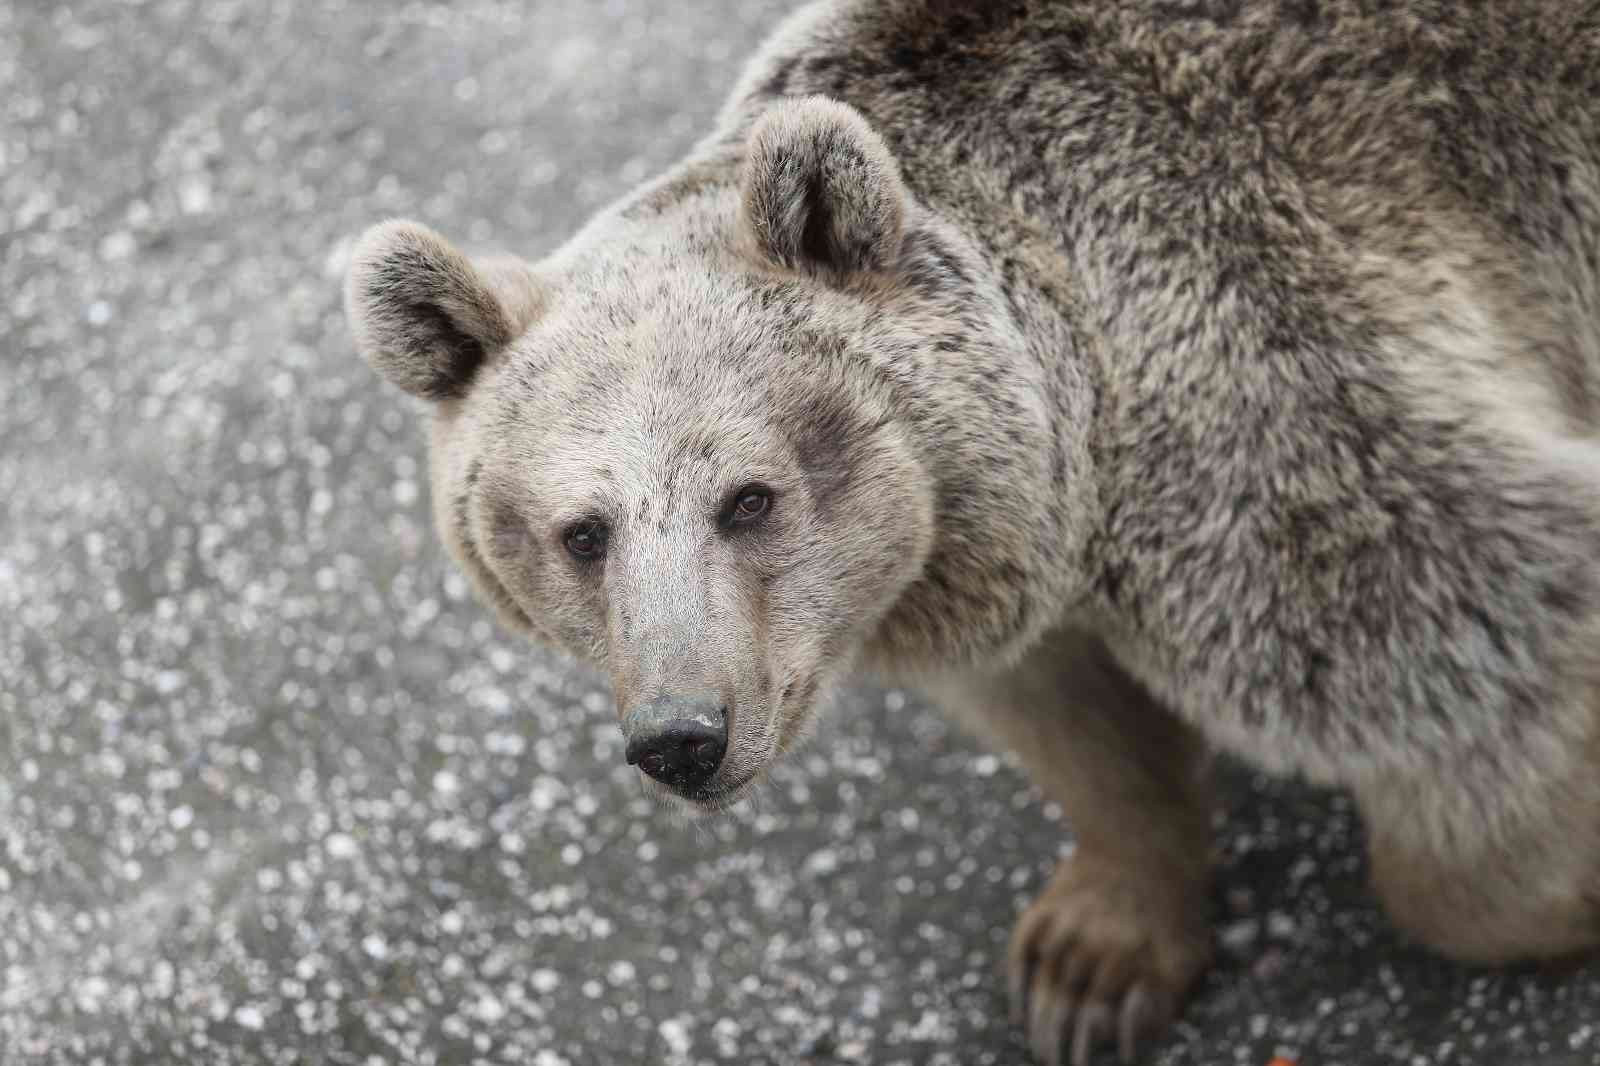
(1143, 380)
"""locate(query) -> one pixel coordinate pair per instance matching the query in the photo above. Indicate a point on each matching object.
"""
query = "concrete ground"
(273, 790)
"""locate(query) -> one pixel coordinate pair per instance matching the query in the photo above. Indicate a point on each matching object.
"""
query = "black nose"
(678, 741)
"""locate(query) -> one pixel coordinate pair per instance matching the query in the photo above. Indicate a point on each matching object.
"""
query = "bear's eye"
(747, 505)
(586, 539)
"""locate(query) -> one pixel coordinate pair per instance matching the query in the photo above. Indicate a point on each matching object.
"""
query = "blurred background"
(274, 790)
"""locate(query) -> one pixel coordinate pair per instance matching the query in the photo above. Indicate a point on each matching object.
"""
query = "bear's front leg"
(1109, 951)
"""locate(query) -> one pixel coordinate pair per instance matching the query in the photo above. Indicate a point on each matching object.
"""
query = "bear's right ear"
(424, 315)
(822, 190)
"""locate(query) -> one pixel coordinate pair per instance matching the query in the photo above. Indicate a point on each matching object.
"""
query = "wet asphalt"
(273, 789)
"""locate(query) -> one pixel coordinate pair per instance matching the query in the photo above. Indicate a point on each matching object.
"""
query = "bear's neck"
(998, 398)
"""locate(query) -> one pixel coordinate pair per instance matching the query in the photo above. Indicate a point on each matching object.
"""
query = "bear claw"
(1101, 958)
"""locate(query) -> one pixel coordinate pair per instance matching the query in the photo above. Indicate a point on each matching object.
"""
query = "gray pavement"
(274, 790)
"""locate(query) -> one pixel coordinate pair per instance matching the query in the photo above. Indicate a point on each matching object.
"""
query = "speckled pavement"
(273, 790)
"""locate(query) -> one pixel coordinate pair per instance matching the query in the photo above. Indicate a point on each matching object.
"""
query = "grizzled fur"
(1142, 378)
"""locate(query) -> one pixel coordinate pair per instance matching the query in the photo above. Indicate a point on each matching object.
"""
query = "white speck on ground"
(118, 246)
(341, 846)
(675, 1032)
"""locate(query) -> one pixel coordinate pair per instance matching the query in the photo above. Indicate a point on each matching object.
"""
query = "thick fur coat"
(1142, 378)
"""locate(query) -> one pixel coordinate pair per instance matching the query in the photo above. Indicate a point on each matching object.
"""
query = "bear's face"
(667, 450)
(699, 503)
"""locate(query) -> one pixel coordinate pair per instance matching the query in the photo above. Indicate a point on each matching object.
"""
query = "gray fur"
(1254, 344)
(821, 190)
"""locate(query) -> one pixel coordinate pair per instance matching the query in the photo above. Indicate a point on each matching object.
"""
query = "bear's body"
(1141, 379)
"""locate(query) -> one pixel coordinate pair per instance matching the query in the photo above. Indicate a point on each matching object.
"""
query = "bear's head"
(685, 447)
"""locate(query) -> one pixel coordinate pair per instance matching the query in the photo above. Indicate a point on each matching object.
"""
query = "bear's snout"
(678, 740)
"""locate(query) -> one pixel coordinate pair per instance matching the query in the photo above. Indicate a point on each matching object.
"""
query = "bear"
(1146, 382)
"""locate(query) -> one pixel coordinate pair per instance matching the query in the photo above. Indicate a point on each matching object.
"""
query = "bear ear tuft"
(424, 315)
(822, 190)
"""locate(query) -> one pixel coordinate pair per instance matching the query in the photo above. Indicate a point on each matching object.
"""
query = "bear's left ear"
(425, 316)
(821, 189)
